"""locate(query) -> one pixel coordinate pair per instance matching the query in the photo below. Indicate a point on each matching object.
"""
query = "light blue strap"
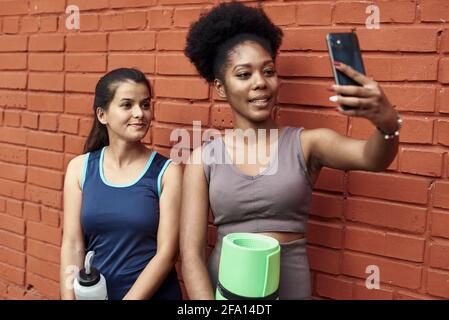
(86, 161)
(159, 178)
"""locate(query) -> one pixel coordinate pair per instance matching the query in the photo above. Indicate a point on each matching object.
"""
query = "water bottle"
(90, 284)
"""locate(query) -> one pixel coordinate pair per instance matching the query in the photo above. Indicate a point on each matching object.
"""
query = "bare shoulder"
(75, 168)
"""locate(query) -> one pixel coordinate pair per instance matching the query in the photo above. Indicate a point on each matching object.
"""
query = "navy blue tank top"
(120, 224)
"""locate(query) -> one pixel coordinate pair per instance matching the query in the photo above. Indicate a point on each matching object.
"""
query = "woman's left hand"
(368, 100)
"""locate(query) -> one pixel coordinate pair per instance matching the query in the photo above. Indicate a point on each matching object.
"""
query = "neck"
(124, 153)
(244, 124)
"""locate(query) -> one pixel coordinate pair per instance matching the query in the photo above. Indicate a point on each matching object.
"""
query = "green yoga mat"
(249, 267)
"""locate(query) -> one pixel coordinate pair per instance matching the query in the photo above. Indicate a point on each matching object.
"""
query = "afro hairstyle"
(222, 28)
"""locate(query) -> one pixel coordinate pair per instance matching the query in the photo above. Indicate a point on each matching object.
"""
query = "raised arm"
(162, 263)
(72, 248)
(375, 154)
(194, 213)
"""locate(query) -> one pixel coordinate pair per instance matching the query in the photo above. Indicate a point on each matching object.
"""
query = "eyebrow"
(129, 99)
(249, 64)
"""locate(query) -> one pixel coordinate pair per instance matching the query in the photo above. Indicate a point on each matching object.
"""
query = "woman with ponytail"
(122, 199)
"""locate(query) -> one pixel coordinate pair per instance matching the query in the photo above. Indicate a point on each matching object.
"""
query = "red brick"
(47, 141)
(68, 124)
(15, 293)
(438, 283)
(132, 4)
(404, 295)
(44, 233)
(46, 81)
(45, 178)
(390, 12)
(9, 43)
(184, 17)
(304, 93)
(385, 243)
(46, 62)
(48, 122)
(361, 292)
(416, 130)
(90, 22)
(434, 10)
(314, 14)
(411, 98)
(12, 224)
(12, 189)
(326, 205)
(398, 39)
(85, 126)
(13, 61)
(304, 65)
(43, 268)
(330, 180)
(443, 101)
(443, 132)
(47, 6)
(49, 24)
(52, 198)
(13, 99)
(407, 68)
(385, 214)
(12, 257)
(74, 144)
(174, 64)
(132, 40)
(181, 88)
(325, 234)
(12, 172)
(14, 7)
(184, 1)
(307, 38)
(11, 25)
(46, 159)
(45, 286)
(221, 116)
(12, 135)
(441, 194)
(395, 273)
(81, 82)
(50, 216)
(43, 251)
(12, 274)
(110, 22)
(29, 25)
(85, 5)
(182, 113)
(171, 40)
(390, 187)
(79, 104)
(45, 102)
(160, 18)
(85, 62)
(12, 118)
(335, 288)
(439, 254)
(143, 62)
(50, 42)
(323, 259)
(86, 42)
(31, 212)
(135, 20)
(14, 208)
(12, 240)
(429, 163)
(13, 80)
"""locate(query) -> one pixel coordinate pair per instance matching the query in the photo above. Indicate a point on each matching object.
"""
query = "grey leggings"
(294, 281)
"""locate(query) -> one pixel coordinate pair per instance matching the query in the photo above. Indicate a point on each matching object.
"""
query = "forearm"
(196, 278)
(71, 262)
(151, 277)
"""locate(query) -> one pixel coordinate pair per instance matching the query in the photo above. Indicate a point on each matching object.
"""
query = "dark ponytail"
(104, 94)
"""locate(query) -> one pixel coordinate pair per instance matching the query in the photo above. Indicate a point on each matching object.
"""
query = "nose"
(136, 111)
(259, 81)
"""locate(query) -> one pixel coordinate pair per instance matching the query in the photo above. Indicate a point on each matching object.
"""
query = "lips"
(137, 125)
(261, 101)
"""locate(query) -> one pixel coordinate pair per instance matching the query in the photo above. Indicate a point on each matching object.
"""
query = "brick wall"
(397, 220)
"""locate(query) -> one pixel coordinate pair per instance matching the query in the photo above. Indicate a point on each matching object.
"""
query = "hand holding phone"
(344, 47)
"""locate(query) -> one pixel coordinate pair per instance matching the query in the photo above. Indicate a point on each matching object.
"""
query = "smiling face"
(250, 82)
(128, 115)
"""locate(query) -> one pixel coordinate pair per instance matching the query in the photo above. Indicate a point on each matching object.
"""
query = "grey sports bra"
(278, 199)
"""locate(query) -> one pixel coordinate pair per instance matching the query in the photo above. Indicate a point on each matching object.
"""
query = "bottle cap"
(88, 276)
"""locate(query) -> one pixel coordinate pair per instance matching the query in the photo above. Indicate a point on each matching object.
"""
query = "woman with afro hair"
(234, 48)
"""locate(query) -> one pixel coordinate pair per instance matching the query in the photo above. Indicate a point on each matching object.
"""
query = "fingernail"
(333, 98)
(337, 63)
(331, 88)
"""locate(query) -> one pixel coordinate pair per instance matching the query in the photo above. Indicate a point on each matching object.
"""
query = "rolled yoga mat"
(249, 267)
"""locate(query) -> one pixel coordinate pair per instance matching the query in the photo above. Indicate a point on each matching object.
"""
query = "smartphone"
(344, 47)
